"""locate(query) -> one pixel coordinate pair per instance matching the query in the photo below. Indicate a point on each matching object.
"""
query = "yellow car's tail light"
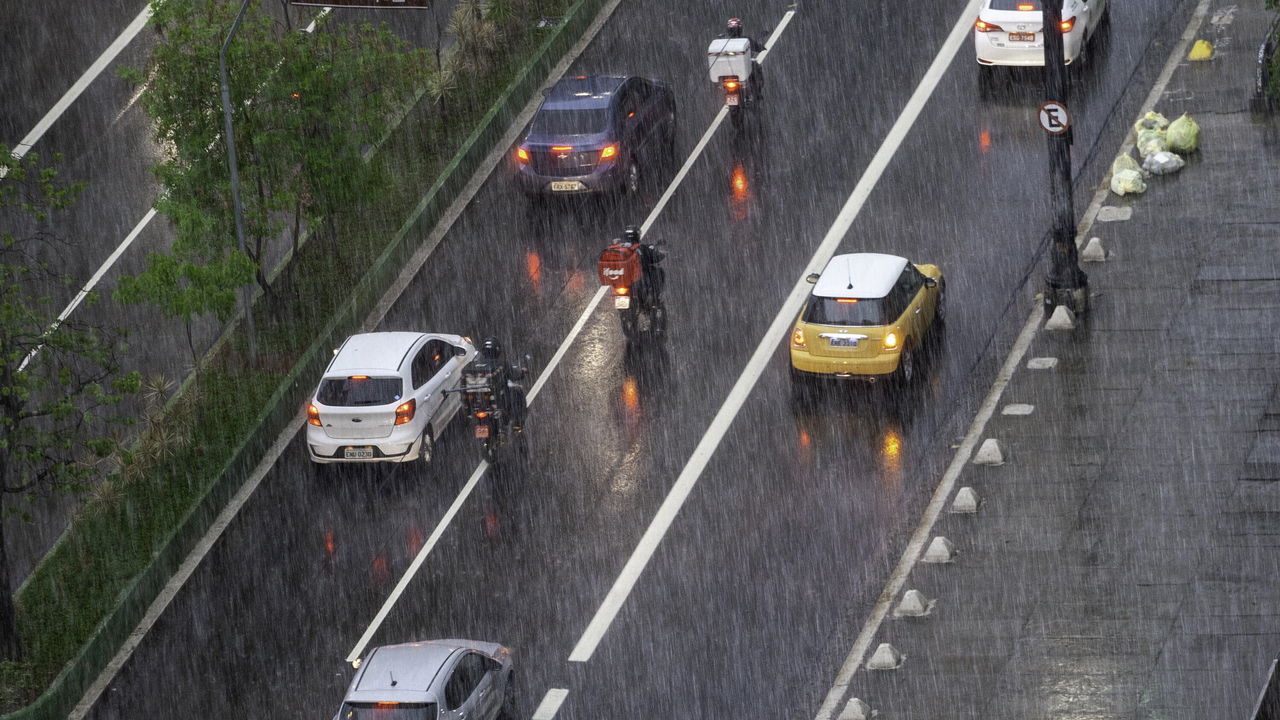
(797, 337)
(891, 341)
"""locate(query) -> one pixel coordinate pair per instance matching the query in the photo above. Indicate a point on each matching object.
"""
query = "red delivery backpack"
(620, 265)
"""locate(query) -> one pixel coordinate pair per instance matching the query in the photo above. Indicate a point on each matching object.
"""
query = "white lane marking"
(93, 281)
(568, 340)
(175, 583)
(863, 642)
(80, 85)
(418, 560)
(689, 476)
(711, 130)
(550, 704)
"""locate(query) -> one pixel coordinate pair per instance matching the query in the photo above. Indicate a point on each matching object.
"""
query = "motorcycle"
(636, 290)
(497, 419)
(729, 65)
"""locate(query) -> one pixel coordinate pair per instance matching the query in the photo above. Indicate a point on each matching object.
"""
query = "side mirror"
(812, 278)
(546, 91)
(459, 351)
(930, 282)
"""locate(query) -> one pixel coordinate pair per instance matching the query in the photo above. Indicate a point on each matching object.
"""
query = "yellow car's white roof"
(859, 275)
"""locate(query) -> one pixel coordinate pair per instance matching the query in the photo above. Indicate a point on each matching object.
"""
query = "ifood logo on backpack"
(613, 273)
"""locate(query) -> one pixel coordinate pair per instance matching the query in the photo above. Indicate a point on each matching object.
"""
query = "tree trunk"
(10, 643)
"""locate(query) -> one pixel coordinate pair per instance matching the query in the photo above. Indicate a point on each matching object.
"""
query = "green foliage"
(304, 106)
(56, 376)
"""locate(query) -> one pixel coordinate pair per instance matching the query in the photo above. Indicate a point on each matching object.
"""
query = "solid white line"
(83, 83)
(759, 359)
(550, 704)
(417, 561)
(912, 553)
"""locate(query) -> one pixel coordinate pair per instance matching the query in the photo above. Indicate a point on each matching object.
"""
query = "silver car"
(447, 679)
(386, 397)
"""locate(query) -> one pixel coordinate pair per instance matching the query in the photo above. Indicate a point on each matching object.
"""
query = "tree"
(305, 108)
(56, 377)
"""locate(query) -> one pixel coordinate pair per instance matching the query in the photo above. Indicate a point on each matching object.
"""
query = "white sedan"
(1011, 32)
(386, 397)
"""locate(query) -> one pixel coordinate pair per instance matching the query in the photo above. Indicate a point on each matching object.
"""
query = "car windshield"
(844, 311)
(358, 391)
(1015, 5)
(571, 122)
(388, 711)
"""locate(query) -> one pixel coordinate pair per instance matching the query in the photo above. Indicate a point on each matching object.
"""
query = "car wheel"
(908, 367)
(428, 448)
(632, 185)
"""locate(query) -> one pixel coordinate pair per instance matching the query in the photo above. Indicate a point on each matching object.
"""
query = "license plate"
(565, 185)
(358, 453)
(621, 303)
(1022, 37)
(482, 431)
(731, 99)
(845, 342)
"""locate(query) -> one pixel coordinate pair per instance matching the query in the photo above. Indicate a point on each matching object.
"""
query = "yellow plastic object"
(1202, 50)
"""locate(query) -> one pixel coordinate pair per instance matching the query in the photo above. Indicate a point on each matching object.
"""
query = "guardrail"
(70, 685)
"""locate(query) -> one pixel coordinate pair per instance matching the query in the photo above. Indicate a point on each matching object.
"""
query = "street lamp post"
(246, 297)
(1065, 283)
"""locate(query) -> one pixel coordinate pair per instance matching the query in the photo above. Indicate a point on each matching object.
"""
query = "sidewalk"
(1125, 560)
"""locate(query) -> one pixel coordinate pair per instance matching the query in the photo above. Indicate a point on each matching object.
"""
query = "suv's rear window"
(388, 711)
(570, 122)
(358, 392)
(858, 313)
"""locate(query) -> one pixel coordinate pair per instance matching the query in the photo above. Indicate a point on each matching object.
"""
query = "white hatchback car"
(1010, 32)
(385, 397)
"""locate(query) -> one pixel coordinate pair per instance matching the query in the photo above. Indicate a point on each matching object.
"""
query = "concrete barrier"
(70, 685)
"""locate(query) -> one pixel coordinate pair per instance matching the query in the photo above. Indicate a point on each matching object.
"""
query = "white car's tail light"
(404, 413)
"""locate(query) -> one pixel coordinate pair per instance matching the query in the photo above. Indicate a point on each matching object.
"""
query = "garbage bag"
(1151, 121)
(1150, 141)
(1163, 162)
(1127, 181)
(1183, 135)
(1124, 161)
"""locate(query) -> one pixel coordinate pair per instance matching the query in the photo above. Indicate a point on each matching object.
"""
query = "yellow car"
(866, 319)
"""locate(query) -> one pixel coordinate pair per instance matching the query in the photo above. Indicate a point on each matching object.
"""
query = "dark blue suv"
(597, 134)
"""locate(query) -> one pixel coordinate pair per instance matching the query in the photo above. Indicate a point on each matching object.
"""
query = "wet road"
(751, 600)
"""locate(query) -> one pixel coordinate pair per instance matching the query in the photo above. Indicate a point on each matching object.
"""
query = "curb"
(70, 685)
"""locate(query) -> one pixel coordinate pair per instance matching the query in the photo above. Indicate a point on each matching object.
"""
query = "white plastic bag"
(1183, 135)
(1150, 141)
(1124, 161)
(1127, 181)
(1151, 121)
(1163, 162)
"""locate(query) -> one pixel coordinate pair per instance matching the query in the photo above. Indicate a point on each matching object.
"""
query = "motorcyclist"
(650, 256)
(733, 29)
(491, 361)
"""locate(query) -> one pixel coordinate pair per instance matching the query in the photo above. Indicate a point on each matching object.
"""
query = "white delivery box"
(729, 56)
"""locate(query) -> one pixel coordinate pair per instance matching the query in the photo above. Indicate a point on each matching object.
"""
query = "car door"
(469, 693)
(629, 119)
(919, 311)
(429, 383)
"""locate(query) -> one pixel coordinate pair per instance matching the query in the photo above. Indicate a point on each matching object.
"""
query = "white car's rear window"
(358, 391)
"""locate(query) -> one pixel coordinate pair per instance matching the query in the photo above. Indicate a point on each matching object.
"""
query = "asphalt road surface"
(751, 599)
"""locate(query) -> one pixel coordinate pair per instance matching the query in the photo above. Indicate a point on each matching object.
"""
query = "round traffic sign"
(1054, 118)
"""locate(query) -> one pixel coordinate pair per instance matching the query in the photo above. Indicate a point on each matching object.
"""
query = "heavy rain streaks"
(750, 601)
